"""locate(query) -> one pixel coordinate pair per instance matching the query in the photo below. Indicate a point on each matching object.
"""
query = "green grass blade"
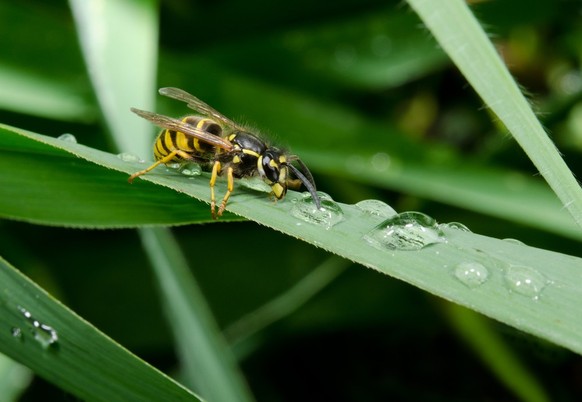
(460, 35)
(14, 379)
(551, 312)
(207, 361)
(82, 360)
(121, 63)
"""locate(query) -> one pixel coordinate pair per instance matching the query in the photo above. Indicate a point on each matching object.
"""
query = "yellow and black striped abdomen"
(170, 140)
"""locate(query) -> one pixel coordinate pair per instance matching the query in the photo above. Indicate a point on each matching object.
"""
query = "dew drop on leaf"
(327, 216)
(67, 137)
(376, 208)
(471, 273)
(406, 231)
(525, 281)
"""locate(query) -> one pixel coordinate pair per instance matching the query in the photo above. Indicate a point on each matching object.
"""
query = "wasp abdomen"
(170, 140)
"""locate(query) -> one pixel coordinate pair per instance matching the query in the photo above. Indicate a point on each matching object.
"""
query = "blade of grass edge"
(461, 36)
(77, 357)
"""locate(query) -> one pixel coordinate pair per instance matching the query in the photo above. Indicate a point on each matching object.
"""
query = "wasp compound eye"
(271, 166)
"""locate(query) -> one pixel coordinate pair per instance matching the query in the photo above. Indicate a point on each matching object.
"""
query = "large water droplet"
(67, 137)
(328, 215)
(525, 280)
(190, 169)
(471, 273)
(376, 208)
(129, 157)
(406, 231)
(42, 333)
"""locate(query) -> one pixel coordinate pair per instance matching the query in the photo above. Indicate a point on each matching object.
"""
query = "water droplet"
(173, 165)
(328, 215)
(471, 273)
(406, 231)
(190, 169)
(525, 280)
(129, 157)
(380, 161)
(42, 333)
(67, 137)
(455, 226)
(515, 241)
(376, 208)
(381, 45)
(16, 332)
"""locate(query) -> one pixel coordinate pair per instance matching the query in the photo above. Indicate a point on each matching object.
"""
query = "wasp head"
(275, 167)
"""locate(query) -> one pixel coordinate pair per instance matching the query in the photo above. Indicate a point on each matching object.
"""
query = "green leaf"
(531, 289)
(63, 348)
(460, 35)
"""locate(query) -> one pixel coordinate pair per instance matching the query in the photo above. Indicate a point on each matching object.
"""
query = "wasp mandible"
(221, 146)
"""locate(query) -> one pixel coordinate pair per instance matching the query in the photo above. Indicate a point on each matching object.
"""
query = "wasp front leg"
(229, 190)
(215, 172)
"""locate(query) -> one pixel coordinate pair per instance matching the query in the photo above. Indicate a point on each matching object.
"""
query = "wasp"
(221, 146)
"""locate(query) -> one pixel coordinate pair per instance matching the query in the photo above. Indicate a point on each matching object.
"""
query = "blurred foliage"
(361, 338)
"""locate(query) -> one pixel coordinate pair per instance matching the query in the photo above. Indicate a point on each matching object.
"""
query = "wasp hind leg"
(164, 160)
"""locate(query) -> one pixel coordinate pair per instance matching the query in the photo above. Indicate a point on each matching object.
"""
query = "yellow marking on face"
(273, 164)
(282, 159)
(236, 159)
(278, 190)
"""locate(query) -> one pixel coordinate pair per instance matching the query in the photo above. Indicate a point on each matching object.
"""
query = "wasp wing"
(170, 123)
(199, 106)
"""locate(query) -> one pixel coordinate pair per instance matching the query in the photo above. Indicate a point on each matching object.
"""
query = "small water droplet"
(190, 169)
(328, 215)
(129, 157)
(42, 333)
(173, 165)
(381, 45)
(515, 241)
(525, 280)
(380, 161)
(406, 231)
(471, 273)
(455, 226)
(16, 332)
(67, 137)
(376, 208)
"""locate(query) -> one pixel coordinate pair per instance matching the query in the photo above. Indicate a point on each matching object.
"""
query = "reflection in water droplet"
(129, 157)
(42, 333)
(455, 226)
(67, 137)
(173, 165)
(190, 169)
(406, 231)
(376, 208)
(471, 273)
(328, 215)
(525, 280)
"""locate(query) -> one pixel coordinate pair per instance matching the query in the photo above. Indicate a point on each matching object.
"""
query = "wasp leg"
(215, 172)
(165, 159)
(229, 190)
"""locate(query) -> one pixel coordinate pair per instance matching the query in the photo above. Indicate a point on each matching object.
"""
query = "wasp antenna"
(305, 179)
